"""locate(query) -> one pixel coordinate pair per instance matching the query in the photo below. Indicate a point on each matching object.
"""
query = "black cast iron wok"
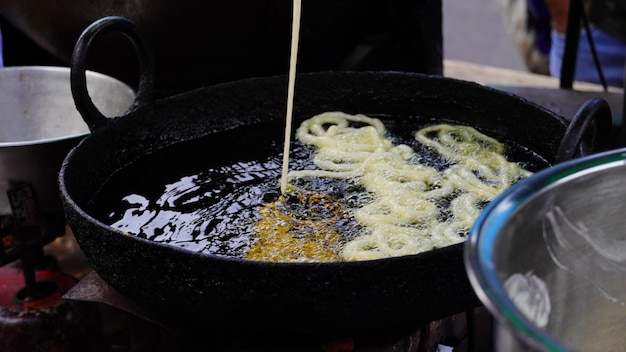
(209, 290)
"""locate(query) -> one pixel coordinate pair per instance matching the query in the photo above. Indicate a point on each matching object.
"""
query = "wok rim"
(347, 286)
(335, 74)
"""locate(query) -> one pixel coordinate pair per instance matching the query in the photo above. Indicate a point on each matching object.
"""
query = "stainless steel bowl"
(39, 124)
(548, 258)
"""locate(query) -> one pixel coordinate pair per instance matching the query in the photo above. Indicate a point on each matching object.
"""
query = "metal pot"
(548, 260)
(203, 290)
(40, 124)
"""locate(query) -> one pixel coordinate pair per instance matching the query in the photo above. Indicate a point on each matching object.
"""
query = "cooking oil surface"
(220, 194)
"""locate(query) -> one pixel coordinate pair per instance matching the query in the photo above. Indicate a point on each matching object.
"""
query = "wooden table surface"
(540, 89)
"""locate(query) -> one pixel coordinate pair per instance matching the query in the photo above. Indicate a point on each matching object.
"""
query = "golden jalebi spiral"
(405, 215)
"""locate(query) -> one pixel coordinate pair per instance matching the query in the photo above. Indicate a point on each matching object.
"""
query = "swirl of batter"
(405, 215)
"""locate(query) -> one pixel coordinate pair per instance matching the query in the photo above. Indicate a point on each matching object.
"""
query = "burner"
(33, 314)
(40, 320)
(148, 328)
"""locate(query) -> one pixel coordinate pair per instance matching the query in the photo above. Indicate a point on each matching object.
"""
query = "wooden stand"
(539, 89)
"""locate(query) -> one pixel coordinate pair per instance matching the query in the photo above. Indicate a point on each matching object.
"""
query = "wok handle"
(592, 123)
(145, 90)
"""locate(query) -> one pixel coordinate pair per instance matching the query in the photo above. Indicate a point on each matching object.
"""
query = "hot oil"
(303, 226)
(212, 202)
(207, 202)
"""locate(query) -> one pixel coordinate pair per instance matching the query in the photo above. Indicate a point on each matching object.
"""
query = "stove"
(33, 314)
(148, 329)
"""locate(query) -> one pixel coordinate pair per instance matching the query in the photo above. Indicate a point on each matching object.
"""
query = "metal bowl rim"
(54, 70)
(479, 247)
